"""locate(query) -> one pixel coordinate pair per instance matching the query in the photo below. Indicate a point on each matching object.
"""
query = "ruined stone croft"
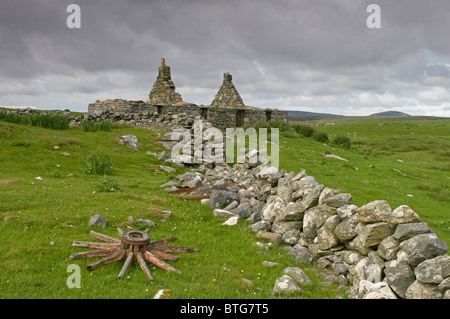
(227, 109)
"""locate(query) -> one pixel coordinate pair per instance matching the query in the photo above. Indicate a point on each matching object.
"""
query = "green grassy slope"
(403, 162)
(41, 218)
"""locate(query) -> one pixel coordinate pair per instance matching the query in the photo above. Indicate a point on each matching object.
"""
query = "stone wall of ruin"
(139, 112)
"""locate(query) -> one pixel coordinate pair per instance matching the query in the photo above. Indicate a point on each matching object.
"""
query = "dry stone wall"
(377, 252)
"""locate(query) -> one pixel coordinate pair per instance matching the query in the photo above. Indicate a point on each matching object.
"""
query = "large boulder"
(374, 212)
(407, 231)
(325, 234)
(298, 275)
(379, 290)
(285, 284)
(403, 214)
(191, 179)
(372, 234)
(388, 248)
(346, 230)
(399, 276)
(98, 220)
(220, 199)
(281, 227)
(423, 247)
(419, 290)
(433, 271)
(312, 221)
(269, 211)
(292, 211)
(129, 140)
(338, 200)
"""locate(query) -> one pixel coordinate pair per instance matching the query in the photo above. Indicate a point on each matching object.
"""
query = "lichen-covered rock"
(285, 284)
(298, 275)
(312, 221)
(419, 290)
(326, 235)
(346, 211)
(374, 212)
(379, 290)
(326, 193)
(346, 230)
(220, 199)
(388, 248)
(403, 214)
(399, 276)
(292, 211)
(372, 234)
(269, 211)
(98, 220)
(433, 271)
(307, 198)
(423, 247)
(338, 200)
(409, 230)
(282, 227)
(291, 237)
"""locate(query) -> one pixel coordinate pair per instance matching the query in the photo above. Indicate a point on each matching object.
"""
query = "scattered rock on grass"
(98, 220)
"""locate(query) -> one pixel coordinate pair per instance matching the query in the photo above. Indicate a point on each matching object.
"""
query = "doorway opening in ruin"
(204, 113)
(240, 118)
(268, 116)
(159, 109)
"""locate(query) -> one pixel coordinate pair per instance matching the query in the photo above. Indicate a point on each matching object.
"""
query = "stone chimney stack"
(163, 92)
(228, 96)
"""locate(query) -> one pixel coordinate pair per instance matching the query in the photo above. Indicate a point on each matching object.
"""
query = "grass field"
(41, 218)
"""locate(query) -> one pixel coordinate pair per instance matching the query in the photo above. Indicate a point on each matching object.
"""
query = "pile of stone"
(186, 138)
(374, 250)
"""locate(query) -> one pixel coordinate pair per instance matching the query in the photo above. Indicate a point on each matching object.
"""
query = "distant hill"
(390, 113)
(307, 116)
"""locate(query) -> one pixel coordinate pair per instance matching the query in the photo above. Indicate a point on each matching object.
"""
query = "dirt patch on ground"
(6, 182)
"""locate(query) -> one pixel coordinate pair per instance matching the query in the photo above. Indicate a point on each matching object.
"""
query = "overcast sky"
(308, 55)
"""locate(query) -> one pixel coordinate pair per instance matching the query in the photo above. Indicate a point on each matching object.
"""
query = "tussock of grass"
(99, 165)
(52, 121)
(91, 126)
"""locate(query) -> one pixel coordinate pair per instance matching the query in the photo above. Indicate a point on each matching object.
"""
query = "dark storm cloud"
(302, 53)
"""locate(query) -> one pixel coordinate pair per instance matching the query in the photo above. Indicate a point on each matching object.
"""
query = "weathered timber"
(102, 262)
(103, 237)
(163, 240)
(143, 265)
(96, 245)
(175, 249)
(163, 255)
(94, 253)
(158, 262)
(126, 264)
(194, 197)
